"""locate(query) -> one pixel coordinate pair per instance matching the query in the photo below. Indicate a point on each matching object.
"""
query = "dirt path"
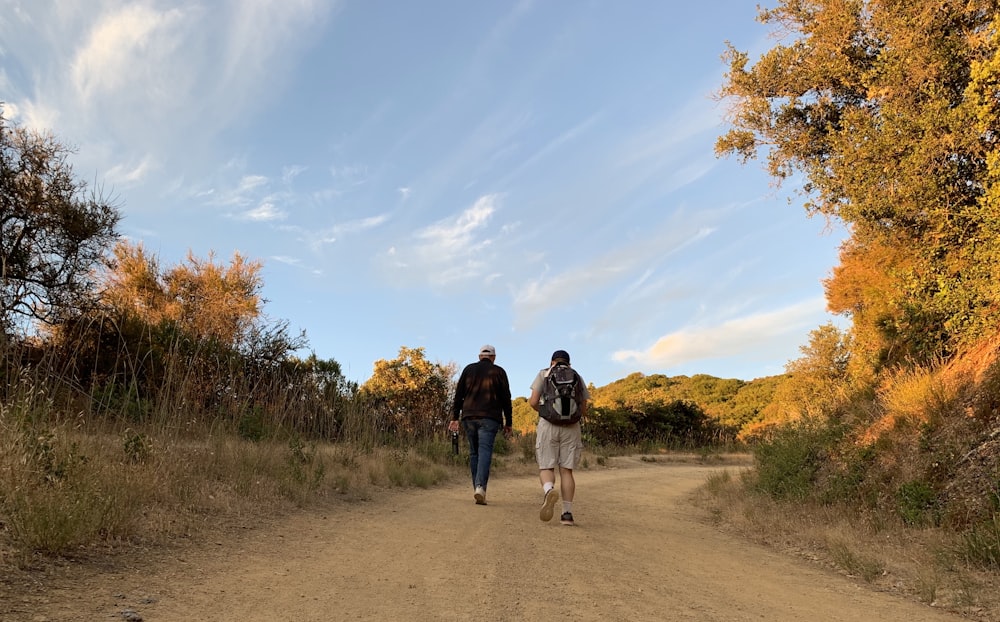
(640, 551)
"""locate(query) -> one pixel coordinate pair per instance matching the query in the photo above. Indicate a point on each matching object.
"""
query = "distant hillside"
(728, 401)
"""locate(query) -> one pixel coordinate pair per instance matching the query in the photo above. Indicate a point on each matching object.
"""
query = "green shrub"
(251, 425)
(788, 462)
(847, 480)
(123, 402)
(917, 503)
(982, 543)
(138, 446)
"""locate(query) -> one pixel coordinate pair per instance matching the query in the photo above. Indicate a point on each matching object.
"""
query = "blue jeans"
(481, 434)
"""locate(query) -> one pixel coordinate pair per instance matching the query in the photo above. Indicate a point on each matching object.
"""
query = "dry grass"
(927, 565)
(64, 489)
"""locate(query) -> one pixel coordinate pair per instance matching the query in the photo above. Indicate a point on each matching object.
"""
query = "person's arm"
(536, 395)
(506, 406)
(456, 406)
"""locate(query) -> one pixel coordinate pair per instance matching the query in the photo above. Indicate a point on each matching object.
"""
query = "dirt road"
(640, 551)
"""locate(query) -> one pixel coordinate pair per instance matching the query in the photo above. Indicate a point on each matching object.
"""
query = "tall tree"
(870, 100)
(411, 392)
(204, 298)
(132, 283)
(52, 232)
(215, 301)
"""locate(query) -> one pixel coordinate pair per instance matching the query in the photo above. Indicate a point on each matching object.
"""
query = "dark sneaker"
(548, 505)
(566, 519)
(480, 495)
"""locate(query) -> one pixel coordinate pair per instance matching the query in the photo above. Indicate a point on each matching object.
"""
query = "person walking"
(560, 396)
(482, 405)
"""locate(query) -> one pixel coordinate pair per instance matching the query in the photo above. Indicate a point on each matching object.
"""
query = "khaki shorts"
(558, 445)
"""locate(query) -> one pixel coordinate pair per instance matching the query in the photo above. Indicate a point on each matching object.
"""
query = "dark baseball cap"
(561, 356)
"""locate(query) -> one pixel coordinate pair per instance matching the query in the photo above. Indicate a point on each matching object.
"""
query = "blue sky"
(442, 174)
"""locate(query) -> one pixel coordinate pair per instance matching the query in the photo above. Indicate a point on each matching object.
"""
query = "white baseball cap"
(488, 349)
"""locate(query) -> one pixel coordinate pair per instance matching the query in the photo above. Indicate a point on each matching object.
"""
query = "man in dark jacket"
(482, 403)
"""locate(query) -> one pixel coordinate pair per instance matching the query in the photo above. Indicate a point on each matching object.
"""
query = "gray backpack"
(558, 403)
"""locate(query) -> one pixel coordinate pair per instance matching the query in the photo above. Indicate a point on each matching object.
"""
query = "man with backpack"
(560, 397)
(482, 402)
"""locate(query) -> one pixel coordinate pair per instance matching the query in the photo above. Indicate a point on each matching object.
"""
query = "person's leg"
(547, 477)
(567, 484)
(570, 452)
(488, 429)
(547, 457)
(472, 435)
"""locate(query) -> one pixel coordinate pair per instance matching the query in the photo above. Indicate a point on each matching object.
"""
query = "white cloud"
(263, 213)
(362, 224)
(578, 281)
(121, 48)
(119, 79)
(35, 116)
(450, 238)
(289, 173)
(452, 250)
(129, 174)
(243, 194)
(316, 239)
(732, 337)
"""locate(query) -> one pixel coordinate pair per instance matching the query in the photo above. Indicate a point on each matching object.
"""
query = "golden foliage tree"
(216, 301)
(888, 108)
(204, 298)
(524, 417)
(133, 284)
(410, 393)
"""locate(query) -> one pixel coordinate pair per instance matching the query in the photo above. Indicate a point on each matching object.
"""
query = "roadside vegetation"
(879, 450)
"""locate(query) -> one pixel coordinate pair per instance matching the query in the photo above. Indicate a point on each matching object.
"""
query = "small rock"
(131, 616)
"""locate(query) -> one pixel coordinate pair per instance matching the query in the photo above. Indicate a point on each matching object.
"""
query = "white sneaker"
(480, 495)
(548, 505)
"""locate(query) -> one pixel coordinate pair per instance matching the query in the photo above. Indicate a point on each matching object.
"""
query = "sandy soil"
(640, 551)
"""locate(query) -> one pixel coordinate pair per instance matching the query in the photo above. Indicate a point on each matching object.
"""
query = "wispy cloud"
(618, 265)
(296, 263)
(359, 225)
(551, 147)
(453, 237)
(123, 174)
(264, 212)
(287, 260)
(454, 249)
(119, 79)
(317, 238)
(120, 48)
(289, 173)
(731, 337)
(244, 193)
